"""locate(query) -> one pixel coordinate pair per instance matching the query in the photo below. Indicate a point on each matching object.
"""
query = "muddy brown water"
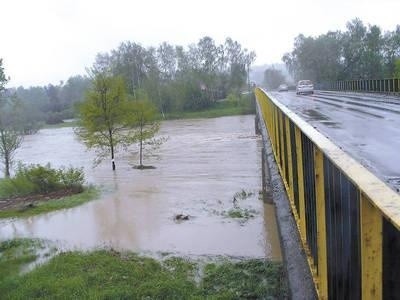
(199, 169)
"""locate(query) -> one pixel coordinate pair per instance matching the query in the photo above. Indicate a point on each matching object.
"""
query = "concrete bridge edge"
(301, 285)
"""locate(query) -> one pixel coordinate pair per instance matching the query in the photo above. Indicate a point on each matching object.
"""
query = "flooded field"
(208, 169)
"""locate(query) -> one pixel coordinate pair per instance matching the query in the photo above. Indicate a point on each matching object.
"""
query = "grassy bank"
(40, 207)
(112, 275)
(222, 108)
(73, 123)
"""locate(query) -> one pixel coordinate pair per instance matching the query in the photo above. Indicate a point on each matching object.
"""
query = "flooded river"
(198, 171)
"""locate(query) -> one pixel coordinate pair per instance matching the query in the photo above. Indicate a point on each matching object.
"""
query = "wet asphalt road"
(366, 126)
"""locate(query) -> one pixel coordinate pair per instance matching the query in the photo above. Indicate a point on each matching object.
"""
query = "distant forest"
(174, 78)
(360, 52)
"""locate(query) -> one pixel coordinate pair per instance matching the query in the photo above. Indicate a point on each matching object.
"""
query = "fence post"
(290, 162)
(300, 176)
(321, 224)
(371, 250)
(277, 134)
(282, 148)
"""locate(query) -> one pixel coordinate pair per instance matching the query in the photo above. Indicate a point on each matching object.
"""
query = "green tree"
(391, 50)
(106, 117)
(147, 126)
(358, 52)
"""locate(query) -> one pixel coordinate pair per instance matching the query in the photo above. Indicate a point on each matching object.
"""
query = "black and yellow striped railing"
(348, 219)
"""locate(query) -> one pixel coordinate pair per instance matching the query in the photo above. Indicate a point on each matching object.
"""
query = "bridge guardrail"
(388, 85)
(348, 219)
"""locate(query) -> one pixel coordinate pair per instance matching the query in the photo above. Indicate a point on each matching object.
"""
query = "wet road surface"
(200, 168)
(366, 126)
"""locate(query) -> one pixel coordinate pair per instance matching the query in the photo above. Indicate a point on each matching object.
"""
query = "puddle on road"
(200, 168)
(315, 115)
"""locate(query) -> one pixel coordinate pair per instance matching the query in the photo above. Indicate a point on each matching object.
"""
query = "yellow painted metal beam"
(300, 176)
(290, 163)
(282, 152)
(277, 147)
(321, 224)
(371, 250)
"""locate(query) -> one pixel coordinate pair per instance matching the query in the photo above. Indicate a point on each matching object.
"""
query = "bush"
(15, 187)
(72, 178)
(37, 179)
(44, 178)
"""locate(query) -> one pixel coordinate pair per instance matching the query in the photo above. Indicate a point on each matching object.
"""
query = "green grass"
(14, 254)
(50, 205)
(112, 275)
(219, 109)
(61, 125)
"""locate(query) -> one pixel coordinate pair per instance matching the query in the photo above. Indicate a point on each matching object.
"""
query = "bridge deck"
(366, 126)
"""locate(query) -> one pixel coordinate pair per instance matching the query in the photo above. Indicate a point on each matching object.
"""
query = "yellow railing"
(348, 219)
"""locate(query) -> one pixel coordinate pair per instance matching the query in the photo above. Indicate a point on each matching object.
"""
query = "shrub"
(16, 187)
(37, 179)
(72, 178)
(44, 178)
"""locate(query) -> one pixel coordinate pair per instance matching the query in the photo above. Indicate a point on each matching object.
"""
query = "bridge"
(337, 154)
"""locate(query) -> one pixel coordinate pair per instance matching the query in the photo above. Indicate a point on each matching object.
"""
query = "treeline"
(360, 52)
(50, 104)
(178, 79)
(174, 78)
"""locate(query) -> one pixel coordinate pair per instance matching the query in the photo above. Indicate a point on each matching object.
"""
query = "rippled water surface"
(199, 169)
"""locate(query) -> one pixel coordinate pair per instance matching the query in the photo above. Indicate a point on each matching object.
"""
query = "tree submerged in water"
(109, 120)
(146, 128)
(106, 117)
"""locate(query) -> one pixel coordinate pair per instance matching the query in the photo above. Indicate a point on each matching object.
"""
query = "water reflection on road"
(198, 171)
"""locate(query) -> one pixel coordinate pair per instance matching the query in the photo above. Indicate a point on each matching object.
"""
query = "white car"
(283, 88)
(304, 87)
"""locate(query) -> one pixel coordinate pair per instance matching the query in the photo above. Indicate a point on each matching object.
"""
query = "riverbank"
(112, 274)
(28, 206)
(220, 108)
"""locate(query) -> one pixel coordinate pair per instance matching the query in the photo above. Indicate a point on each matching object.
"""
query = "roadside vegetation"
(37, 189)
(115, 275)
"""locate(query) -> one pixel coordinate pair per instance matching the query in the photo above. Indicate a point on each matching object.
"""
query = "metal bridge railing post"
(290, 162)
(321, 224)
(277, 134)
(300, 176)
(371, 250)
(282, 152)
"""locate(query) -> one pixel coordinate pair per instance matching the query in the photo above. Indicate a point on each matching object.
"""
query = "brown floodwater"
(198, 171)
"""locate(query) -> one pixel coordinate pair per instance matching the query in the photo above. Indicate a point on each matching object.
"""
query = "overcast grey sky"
(45, 41)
